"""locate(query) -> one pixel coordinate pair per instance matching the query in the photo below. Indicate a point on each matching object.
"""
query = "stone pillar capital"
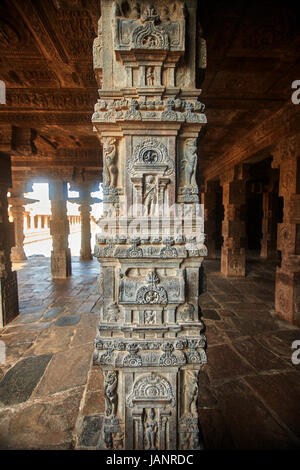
(287, 149)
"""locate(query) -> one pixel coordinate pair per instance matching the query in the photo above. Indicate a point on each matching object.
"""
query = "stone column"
(85, 249)
(85, 201)
(233, 259)
(269, 225)
(17, 210)
(18, 203)
(210, 201)
(9, 307)
(59, 229)
(287, 288)
(150, 344)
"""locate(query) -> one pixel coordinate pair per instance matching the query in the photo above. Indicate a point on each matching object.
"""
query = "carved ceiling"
(46, 63)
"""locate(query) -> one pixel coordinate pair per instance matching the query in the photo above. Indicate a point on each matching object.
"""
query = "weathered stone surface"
(52, 339)
(259, 357)
(20, 381)
(280, 392)
(216, 434)
(73, 365)
(90, 431)
(210, 314)
(44, 425)
(68, 321)
(53, 313)
(220, 364)
(86, 330)
(251, 425)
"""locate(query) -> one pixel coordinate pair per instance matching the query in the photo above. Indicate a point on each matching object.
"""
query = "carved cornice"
(49, 99)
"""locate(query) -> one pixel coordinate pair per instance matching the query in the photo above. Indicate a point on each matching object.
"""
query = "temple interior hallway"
(51, 396)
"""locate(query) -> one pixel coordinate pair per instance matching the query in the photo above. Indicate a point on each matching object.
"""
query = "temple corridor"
(248, 393)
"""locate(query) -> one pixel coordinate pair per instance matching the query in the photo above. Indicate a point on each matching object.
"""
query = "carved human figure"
(150, 76)
(189, 163)
(191, 393)
(110, 393)
(97, 47)
(149, 317)
(111, 173)
(150, 194)
(151, 428)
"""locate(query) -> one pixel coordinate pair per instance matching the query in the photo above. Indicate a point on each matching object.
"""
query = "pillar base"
(287, 296)
(17, 254)
(9, 307)
(86, 257)
(61, 264)
(233, 264)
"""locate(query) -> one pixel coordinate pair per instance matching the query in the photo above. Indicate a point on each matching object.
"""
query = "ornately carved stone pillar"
(210, 202)
(59, 229)
(233, 257)
(9, 307)
(286, 156)
(150, 343)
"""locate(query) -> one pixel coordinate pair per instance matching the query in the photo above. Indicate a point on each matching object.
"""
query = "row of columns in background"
(233, 226)
(59, 225)
(24, 223)
(286, 157)
(12, 233)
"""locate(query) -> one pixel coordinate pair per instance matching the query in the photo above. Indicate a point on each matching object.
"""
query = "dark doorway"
(254, 221)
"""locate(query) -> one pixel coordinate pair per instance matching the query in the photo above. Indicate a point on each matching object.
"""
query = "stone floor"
(49, 349)
(51, 397)
(249, 394)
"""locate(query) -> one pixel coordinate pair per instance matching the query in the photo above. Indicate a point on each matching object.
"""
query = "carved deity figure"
(149, 317)
(150, 194)
(151, 428)
(191, 393)
(97, 47)
(150, 76)
(189, 163)
(110, 392)
(111, 170)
